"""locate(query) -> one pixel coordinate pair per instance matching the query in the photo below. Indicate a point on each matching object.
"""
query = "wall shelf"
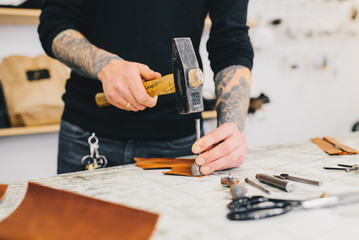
(14, 131)
(19, 16)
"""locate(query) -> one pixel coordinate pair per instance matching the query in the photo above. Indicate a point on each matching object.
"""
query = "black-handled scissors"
(259, 207)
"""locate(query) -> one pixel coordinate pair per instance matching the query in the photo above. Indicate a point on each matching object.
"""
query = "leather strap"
(48, 213)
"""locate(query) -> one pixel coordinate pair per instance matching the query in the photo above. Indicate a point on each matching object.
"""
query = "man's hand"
(122, 83)
(224, 147)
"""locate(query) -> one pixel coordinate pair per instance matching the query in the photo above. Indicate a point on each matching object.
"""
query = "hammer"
(186, 81)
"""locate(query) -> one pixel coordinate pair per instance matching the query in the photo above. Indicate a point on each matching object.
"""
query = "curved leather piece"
(48, 213)
(178, 166)
(3, 189)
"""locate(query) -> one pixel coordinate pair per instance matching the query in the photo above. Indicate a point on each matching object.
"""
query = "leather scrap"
(333, 147)
(178, 166)
(3, 188)
(48, 213)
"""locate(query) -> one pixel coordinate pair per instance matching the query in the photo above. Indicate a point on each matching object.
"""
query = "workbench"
(195, 208)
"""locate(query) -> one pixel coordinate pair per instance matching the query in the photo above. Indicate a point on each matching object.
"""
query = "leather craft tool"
(297, 179)
(259, 207)
(333, 147)
(238, 190)
(275, 182)
(48, 213)
(186, 80)
(344, 167)
(256, 186)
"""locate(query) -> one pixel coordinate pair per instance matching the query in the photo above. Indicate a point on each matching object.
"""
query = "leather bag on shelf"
(33, 88)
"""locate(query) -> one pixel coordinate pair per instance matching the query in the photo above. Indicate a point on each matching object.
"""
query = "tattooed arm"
(226, 146)
(121, 80)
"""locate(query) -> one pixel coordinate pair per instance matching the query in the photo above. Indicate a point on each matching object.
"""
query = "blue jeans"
(73, 146)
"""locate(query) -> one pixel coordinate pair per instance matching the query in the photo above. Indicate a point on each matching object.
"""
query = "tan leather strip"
(181, 167)
(158, 163)
(326, 146)
(48, 213)
(3, 189)
(346, 149)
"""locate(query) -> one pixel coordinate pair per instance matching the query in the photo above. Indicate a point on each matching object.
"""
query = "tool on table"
(333, 147)
(258, 207)
(298, 179)
(238, 190)
(275, 182)
(94, 160)
(195, 169)
(256, 186)
(345, 167)
(186, 80)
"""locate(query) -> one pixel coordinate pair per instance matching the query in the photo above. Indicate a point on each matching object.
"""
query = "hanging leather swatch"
(178, 166)
(3, 189)
(333, 147)
(48, 213)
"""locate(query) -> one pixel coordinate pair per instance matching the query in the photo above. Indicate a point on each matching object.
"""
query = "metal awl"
(298, 179)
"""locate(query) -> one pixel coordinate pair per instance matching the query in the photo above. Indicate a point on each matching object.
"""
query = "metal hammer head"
(188, 77)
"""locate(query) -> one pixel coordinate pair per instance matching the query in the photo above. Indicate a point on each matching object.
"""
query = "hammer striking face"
(188, 77)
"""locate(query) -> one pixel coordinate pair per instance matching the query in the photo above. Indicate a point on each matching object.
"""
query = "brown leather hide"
(48, 213)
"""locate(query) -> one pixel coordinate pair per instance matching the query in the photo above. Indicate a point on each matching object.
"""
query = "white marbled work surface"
(195, 208)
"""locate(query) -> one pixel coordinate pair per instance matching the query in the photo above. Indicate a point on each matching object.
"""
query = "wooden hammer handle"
(159, 86)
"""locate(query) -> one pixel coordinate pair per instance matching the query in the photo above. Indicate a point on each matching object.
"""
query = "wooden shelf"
(29, 130)
(19, 16)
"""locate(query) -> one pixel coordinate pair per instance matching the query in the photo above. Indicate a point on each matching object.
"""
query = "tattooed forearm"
(74, 50)
(232, 90)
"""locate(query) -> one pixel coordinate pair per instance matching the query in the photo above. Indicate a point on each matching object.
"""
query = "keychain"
(94, 160)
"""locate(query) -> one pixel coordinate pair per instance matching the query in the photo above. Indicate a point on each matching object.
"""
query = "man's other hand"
(122, 83)
(225, 147)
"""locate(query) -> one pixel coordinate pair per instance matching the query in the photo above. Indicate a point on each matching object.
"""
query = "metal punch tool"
(298, 179)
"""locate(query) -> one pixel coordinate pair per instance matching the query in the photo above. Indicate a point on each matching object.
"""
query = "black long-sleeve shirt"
(142, 31)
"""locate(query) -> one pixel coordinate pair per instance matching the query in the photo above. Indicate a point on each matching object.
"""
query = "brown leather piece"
(344, 148)
(178, 166)
(333, 147)
(48, 213)
(3, 189)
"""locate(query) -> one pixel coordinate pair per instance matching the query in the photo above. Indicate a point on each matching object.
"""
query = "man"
(111, 46)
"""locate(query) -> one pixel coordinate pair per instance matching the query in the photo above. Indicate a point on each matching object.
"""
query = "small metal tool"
(256, 186)
(349, 168)
(297, 179)
(345, 167)
(238, 190)
(195, 169)
(275, 182)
